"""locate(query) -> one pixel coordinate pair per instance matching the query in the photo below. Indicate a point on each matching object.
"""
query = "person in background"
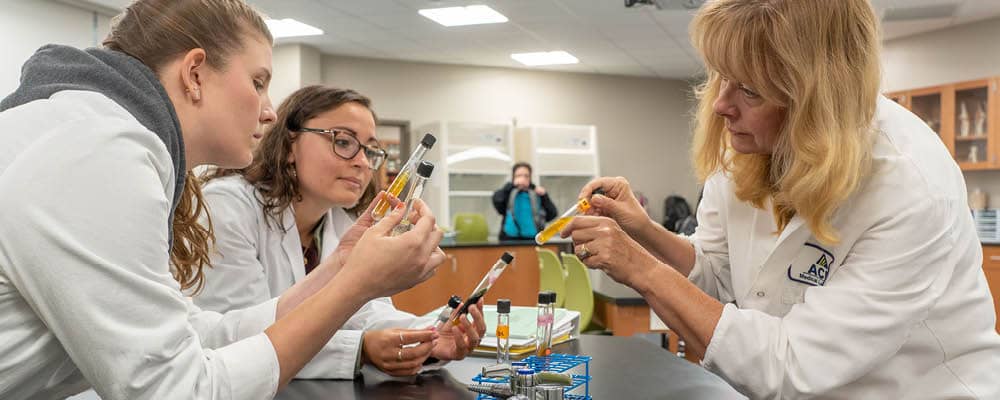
(100, 228)
(525, 207)
(278, 219)
(834, 256)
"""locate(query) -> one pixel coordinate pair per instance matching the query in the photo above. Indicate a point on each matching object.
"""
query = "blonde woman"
(835, 256)
(97, 205)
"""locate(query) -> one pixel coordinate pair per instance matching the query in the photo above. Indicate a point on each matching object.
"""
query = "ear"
(192, 69)
(291, 153)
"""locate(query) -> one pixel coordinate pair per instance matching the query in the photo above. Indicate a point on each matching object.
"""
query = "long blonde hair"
(819, 61)
(157, 31)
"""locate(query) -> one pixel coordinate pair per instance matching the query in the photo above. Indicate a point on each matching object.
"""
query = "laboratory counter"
(621, 368)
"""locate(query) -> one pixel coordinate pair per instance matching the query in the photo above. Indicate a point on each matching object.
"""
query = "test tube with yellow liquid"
(557, 226)
(403, 177)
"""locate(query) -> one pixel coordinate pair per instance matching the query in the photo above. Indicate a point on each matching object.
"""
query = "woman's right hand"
(386, 264)
(617, 203)
(398, 352)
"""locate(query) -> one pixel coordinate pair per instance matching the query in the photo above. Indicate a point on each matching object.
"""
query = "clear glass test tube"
(557, 226)
(543, 332)
(503, 331)
(404, 174)
(413, 192)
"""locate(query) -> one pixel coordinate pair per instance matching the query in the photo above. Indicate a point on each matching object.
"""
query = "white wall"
(293, 66)
(642, 124)
(26, 25)
(957, 54)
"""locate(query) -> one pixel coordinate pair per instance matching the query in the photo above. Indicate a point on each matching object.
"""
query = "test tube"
(414, 191)
(491, 276)
(503, 331)
(557, 226)
(404, 174)
(543, 333)
(453, 303)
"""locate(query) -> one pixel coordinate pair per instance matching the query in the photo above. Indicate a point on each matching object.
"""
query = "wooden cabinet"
(465, 267)
(965, 115)
(991, 266)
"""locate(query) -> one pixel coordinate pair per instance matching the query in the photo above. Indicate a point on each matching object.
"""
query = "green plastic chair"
(551, 275)
(579, 291)
(471, 227)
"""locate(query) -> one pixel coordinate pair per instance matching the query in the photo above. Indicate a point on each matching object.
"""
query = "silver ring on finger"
(582, 252)
(401, 342)
(399, 355)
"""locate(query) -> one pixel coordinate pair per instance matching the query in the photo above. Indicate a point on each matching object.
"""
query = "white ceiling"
(607, 37)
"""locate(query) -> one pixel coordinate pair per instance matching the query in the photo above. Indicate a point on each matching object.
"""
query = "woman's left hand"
(602, 244)
(457, 341)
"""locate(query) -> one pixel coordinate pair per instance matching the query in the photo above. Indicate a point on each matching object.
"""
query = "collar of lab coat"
(336, 223)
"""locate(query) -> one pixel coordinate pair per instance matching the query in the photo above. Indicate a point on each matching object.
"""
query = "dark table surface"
(621, 368)
(620, 295)
(451, 243)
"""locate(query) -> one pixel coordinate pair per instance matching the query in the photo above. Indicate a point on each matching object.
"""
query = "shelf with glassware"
(563, 158)
(964, 115)
(472, 159)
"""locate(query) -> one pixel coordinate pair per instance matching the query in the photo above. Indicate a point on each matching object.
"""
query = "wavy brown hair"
(157, 31)
(271, 173)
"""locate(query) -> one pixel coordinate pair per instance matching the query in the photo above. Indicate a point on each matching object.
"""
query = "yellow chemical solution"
(581, 206)
(394, 188)
(503, 331)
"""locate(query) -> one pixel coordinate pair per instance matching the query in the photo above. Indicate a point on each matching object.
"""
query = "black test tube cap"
(507, 257)
(454, 301)
(546, 297)
(599, 191)
(425, 169)
(428, 140)
(503, 306)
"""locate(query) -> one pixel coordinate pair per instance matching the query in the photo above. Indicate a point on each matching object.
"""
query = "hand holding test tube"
(557, 226)
(484, 285)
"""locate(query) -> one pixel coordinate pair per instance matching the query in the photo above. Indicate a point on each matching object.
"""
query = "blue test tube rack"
(556, 362)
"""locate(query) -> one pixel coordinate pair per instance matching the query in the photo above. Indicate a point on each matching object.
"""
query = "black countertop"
(451, 243)
(619, 295)
(621, 368)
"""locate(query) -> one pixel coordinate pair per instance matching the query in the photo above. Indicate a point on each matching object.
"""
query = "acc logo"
(812, 266)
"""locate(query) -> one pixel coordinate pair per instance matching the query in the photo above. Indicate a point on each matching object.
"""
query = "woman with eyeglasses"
(280, 218)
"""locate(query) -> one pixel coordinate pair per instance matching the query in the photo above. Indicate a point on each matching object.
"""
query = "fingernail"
(434, 328)
(400, 206)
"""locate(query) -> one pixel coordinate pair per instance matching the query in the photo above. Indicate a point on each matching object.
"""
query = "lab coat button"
(760, 293)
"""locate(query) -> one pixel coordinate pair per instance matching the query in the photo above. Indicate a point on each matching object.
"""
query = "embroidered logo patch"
(811, 266)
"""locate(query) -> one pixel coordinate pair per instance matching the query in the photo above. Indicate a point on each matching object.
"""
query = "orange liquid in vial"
(394, 189)
(552, 230)
(503, 331)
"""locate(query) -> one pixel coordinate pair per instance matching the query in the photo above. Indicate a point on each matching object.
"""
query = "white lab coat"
(257, 261)
(899, 309)
(86, 294)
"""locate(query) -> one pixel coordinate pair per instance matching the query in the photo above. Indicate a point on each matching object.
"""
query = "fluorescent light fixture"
(282, 28)
(545, 58)
(459, 16)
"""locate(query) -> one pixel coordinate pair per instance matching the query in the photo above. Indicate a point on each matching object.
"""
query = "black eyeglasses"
(346, 146)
